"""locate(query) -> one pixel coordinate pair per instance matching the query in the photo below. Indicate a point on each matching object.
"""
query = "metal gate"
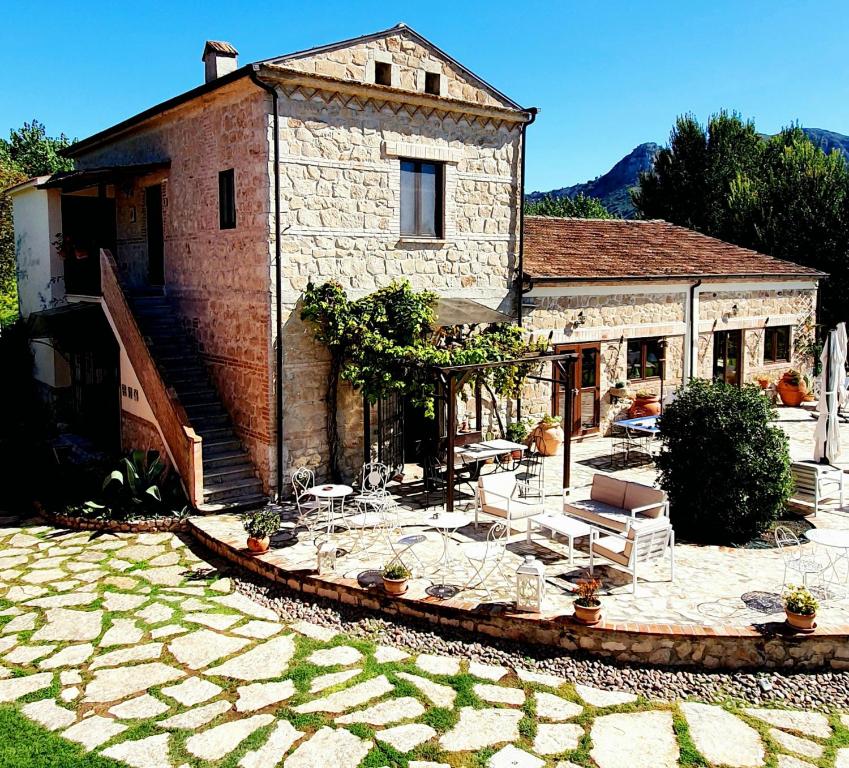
(390, 433)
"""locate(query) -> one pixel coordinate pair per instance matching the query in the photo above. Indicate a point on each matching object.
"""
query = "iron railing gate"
(390, 433)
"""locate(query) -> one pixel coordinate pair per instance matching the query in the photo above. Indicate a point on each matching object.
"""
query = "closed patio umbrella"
(832, 383)
(842, 380)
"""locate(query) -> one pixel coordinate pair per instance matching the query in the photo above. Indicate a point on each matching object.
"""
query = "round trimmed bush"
(724, 466)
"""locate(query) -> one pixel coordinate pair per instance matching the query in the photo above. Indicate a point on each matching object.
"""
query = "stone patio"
(249, 698)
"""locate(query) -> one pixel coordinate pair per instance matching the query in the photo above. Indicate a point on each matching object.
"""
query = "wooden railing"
(184, 445)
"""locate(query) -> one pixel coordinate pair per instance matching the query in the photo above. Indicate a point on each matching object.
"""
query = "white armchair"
(502, 495)
(634, 546)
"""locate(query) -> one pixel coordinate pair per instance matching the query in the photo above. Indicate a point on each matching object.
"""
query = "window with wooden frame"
(432, 83)
(643, 359)
(777, 344)
(227, 199)
(421, 198)
(383, 73)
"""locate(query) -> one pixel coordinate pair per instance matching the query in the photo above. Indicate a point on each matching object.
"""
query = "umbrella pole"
(827, 383)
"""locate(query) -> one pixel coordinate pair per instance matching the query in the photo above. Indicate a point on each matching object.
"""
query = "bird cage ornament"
(530, 585)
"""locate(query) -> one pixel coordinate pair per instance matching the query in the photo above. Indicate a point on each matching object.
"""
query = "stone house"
(654, 304)
(187, 233)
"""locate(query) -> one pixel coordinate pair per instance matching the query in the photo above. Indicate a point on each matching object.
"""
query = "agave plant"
(136, 483)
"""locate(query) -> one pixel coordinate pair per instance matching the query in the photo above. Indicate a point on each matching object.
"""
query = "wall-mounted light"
(735, 310)
(580, 319)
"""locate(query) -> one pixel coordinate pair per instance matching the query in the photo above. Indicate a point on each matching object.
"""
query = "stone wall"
(138, 434)
(410, 60)
(220, 278)
(612, 318)
(340, 213)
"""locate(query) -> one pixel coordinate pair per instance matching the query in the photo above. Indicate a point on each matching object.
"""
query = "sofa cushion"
(639, 495)
(608, 490)
(598, 513)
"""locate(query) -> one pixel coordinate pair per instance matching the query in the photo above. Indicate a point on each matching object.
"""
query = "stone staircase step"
(232, 489)
(217, 476)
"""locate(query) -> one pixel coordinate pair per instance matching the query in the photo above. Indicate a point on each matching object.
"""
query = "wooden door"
(728, 357)
(155, 235)
(586, 397)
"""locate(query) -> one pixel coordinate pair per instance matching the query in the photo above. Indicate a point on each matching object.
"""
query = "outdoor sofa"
(618, 505)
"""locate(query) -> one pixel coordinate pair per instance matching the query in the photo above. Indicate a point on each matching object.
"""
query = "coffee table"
(566, 526)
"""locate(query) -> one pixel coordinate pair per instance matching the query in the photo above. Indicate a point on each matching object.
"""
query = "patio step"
(229, 476)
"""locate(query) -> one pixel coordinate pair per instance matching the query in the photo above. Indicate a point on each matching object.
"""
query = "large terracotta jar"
(791, 389)
(644, 405)
(549, 437)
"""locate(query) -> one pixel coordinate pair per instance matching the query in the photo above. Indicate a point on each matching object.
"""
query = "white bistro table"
(445, 523)
(330, 495)
(832, 539)
(476, 453)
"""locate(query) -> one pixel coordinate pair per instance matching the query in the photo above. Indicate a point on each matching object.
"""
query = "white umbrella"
(842, 380)
(826, 435)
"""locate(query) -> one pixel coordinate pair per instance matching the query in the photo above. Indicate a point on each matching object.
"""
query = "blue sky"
(606, 75)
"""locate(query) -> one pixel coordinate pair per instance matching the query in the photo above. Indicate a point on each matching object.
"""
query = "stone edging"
(155, 524)
(722, 647)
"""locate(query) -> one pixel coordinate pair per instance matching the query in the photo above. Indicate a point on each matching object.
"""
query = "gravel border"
(826, 690)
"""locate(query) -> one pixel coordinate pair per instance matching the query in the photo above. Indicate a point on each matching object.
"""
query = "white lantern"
(530, 585)
(326, 558)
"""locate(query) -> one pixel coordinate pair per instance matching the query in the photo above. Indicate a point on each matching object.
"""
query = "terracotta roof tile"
(599, 248)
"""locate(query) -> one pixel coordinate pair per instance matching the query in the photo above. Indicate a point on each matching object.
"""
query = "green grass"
(26, 745)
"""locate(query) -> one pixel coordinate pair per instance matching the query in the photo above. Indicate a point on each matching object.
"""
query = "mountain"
(612, 188)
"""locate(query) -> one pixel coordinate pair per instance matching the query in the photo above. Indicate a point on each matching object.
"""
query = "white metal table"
(445, 523)
(832, 539)
(566, 526)
(330, 495)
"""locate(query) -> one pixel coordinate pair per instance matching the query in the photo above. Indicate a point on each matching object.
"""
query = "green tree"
(579, 207)
(723, 463)
(691, 179)
(29, 151)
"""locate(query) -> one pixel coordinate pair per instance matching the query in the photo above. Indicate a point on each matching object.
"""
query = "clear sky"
(607, 75)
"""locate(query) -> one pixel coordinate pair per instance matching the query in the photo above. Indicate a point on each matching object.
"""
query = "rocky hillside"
(612, 188)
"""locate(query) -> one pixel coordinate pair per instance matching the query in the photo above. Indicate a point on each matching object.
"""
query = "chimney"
(219, 58)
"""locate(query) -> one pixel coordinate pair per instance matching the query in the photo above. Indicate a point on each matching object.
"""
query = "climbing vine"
(388, 342)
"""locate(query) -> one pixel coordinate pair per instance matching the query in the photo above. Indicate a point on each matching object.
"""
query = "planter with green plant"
(395, 577)
(517, 432)
(548, 435)
(800, 606)
(260, 526)
(646, 403)
(587, 604)
(791, 388)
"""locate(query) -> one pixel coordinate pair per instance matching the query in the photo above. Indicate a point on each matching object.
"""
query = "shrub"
(517, 431)
(262, 523)
(725, 468)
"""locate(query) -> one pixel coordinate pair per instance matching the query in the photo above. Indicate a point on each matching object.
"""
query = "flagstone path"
(135, 648)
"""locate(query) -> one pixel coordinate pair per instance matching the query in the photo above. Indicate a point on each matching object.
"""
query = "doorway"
(728, 357)
(586, 398)
(155, 235)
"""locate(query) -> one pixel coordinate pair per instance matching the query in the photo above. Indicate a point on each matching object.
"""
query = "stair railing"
(183, 443)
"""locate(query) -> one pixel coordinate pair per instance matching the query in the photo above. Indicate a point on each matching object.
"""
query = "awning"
(71, 181)
(451, 311)
(80, 325)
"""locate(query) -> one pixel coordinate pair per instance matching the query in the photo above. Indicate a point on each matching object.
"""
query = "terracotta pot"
(644, 406)
(791, 394)
(516, 455)
(588, 615)
(258, 546)
(394, 586)
(800, 621)
(763, 383)
(549, 439)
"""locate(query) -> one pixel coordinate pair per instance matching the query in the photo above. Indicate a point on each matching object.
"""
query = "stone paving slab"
(723, 738)
(634, 740)
(215, 743)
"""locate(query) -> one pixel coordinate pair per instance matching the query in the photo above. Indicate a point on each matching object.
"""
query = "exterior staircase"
(229, 476)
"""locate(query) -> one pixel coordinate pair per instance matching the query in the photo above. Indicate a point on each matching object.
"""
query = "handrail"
(184, 444)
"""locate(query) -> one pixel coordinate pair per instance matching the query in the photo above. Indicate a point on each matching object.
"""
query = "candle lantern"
(530, 585)
(326, 558)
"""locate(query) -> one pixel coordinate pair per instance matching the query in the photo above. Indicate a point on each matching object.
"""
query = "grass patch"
(689, 754)
(26, 745)
(440, 718)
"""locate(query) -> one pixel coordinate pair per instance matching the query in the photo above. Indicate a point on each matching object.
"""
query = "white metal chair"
(487, 557)
(373, 481)
(795, 558)
(309, 508)
(634, 546)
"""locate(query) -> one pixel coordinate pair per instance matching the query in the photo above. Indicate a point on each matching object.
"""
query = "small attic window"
(432, 83)
(382, 73)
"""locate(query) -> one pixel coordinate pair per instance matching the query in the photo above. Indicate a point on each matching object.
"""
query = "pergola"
(452, 378)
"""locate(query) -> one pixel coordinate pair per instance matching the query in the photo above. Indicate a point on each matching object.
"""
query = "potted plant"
(762, 381)
(395, 577)
(646, 403)
(259, 526)
(588, 604)
(800, 606)
(549, 435)
(517, 432)
(791, 388)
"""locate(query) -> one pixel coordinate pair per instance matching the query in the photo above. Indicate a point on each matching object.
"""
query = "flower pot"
(763, 383)
(394, 586)
(588, 614)
(258, 546)
(791, 395)
(549, 439)
(644, 405)
(800, 621)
